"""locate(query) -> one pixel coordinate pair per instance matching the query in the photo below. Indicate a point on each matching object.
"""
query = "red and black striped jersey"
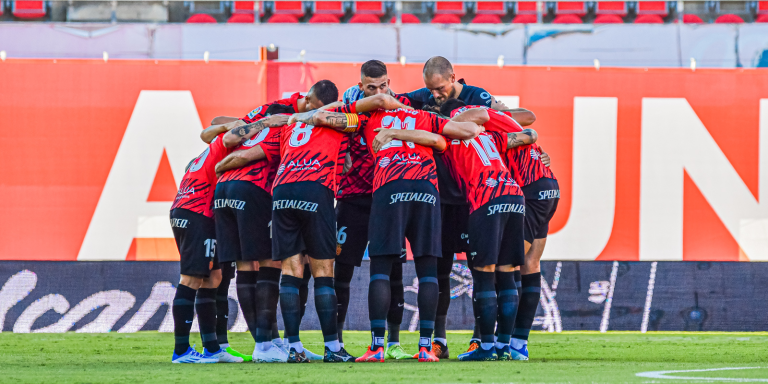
(197, 186)
(309, 153)
(260, 172)
(358, 180)
(525, 161)
(479, 169)
(401, 160)
(260, 112)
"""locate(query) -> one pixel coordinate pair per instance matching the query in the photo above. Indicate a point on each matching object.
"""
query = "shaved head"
(438, 65)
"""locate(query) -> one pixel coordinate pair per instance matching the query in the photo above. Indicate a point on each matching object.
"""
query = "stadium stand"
(569, 12)
(407, 18)
(286, 12)
(449, 12)
(729, 19)
(610, 12)
(525, 12)
(328, 12)
(29, 9)
(201, 18)
(692, 19)
(649, 19)
(367, 12)
(489, 12)
(660, 8)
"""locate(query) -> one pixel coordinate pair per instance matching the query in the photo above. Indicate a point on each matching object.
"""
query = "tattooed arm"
(516, 139)
(424, 138)
(218, 126)
(336, 120)
(244, 133)
(239, 159)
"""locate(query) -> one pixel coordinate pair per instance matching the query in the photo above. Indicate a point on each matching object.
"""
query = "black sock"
(444, 267)
(290, 306)
(485, 298)
(426, 271)
(267, 294)
(507, 301)
(183, 314)
(275, 330)
(529, 301)
(342, 276)
(396, 303)
(222, 311)
(304, 289)
(245, 283)
(379, 297)
(325, 304)
(205, 306)
(518, 283)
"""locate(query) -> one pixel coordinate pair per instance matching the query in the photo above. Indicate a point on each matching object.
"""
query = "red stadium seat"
(450, 8)
(288, 8)
(407, 18)
(762, 18)
(201, 18)
(608, 19)
(525, 8)
(28, 9)
(649, 19)
(446, 19)
(611, 8)
(762, 7)
(246, 7)
(324, 18)
(283, 19)
(491, 8)
(369, 8)
(335, 8)
(729, 19)
(692, 19)
(241, 18)
(652, 8)
(487, 19)
(365, 18)
(578, 8)
(524, 19)
(567, 19)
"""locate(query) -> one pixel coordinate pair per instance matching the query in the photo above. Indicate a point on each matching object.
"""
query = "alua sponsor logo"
(185, 192)
(229, 203)
(413, 196)
(549, 194)
(304, 164)
(179, 223)
(506, 208)
(295, 204)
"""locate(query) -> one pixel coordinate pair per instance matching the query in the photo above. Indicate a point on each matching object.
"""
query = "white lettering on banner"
(229, 203)
(506, 208)
(593, 192)
(14, 290)
(162, 294)
(160, 120)
(413, 196)
(295, 204)
(688, 146)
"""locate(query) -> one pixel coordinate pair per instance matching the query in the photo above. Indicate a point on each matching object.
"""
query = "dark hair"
(373, 69)
(275, 109)
(325, 91)
(437, 65)
(450, 105)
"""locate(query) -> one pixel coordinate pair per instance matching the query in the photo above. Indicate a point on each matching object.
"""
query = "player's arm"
(525, 137)
(424, 138)
(478, 116)
(461, 130)
(239, 159)
(544, 158)
(218, 126)
(523, 116)
(241, 134)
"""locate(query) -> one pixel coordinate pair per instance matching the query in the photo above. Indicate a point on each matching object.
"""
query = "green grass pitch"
(575, 357)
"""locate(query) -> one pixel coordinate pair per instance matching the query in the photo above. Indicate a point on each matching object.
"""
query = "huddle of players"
(383, 162)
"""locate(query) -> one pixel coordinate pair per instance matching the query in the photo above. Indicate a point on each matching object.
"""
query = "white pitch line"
(609, 299)
(663, 375)
(648, 298)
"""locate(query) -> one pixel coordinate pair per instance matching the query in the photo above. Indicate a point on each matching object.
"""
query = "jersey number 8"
(301, 134)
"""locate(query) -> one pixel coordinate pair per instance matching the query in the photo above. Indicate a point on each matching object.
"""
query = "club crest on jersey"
(384, 162)
(506, 208)
(413, 196)
(491, 182)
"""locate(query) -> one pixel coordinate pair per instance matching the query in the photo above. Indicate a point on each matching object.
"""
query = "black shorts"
(541, 198)
(455, 223)
(303, 220)
(243, 214)
(496, 232)
(352, 215)
(405, 209)
(196, 239)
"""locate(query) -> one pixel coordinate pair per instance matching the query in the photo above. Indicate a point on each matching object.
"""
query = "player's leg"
(195, 239)
(454, 240)
(426, 271)
(229, 354)
(511, 255)
(395, 313)
(379, 296)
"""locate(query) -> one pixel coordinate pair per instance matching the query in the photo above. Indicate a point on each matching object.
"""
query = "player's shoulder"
(473, 95)
(352, 94)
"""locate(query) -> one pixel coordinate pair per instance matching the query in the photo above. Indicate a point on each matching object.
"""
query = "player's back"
(261, 172)
(310, 153)
(397, 159)
(197, 187)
